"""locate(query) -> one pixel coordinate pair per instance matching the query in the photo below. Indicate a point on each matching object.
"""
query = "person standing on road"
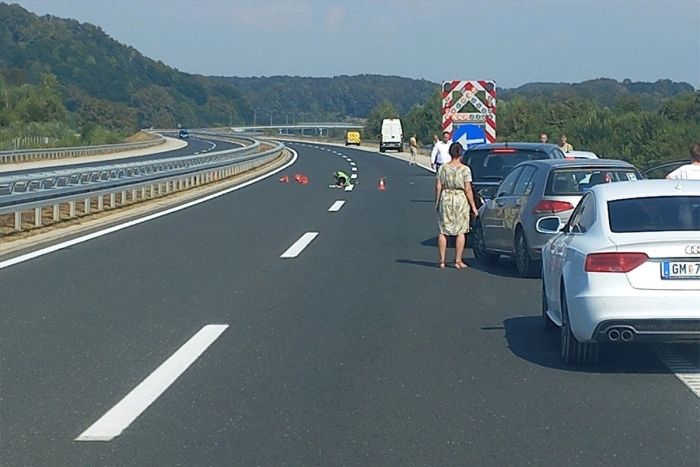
(441, 152)
(453, 201)
(413, 147)
(564, 145)
(688, 171)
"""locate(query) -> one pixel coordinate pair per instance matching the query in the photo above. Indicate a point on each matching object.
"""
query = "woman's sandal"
(441, 265)
(460, 265)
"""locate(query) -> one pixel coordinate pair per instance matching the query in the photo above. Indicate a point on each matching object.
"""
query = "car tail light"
(546, 206)
(614, 262)
(503, 151)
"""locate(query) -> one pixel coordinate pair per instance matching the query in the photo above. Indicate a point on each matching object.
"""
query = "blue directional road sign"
(468, 135)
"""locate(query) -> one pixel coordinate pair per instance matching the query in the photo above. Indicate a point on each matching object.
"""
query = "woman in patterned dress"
(453, 201)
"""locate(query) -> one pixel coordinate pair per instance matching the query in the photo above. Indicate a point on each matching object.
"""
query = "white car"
(581, 155)
(625, 268)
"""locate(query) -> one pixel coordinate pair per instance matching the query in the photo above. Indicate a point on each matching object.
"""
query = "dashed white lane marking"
(354, 169)
(353, 176)
(335, 207)
(345, 157)
(352, 164)
(298, 246)
(349, 160)
(119, 417)
(685, 371)
(115, 228)
(349, 187)
(196, 153)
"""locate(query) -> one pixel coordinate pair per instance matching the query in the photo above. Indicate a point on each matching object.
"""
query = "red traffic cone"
(381, 186)
(284, 179)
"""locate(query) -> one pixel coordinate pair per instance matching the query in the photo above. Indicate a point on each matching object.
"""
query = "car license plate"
(680, 270)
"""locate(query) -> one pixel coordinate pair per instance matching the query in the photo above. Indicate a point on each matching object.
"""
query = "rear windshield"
(490, 165)
(662, 214)
(577, 181)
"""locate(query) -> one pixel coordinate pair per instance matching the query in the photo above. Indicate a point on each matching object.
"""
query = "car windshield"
(576, 181)
(495, 164)
(661, 214)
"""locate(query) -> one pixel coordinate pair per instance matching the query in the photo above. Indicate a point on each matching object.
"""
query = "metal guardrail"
(122, 184)
(26, 155)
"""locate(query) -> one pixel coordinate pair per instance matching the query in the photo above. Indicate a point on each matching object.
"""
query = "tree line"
(644, 128)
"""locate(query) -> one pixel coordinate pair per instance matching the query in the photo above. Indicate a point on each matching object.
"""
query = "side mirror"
(549, 225)
(487, 193)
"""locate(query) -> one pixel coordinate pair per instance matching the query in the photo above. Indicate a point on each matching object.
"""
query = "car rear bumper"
(661, 316)
(648, 330)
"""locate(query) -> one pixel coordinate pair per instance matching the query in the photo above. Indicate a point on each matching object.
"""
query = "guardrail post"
(143, 192)
(18, 220)
(134, 195)
(100, 203)
(56, 212)
(71, 208)
(112, 200)
(37, 217)
(123, 198)
(86, 206)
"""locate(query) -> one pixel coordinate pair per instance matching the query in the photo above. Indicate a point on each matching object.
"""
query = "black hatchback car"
(490, 163)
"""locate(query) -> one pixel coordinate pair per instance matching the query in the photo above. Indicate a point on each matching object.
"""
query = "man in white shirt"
(441, 152)
(689, 171)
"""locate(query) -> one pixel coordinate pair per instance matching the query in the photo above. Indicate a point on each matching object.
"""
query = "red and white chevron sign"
(486, 107)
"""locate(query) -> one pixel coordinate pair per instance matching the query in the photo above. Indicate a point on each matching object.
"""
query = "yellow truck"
(352, 137)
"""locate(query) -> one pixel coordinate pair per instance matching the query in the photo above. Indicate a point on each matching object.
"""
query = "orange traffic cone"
(381, 187)
(284, 179)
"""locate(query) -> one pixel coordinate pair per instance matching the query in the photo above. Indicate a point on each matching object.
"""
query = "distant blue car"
(183, 134)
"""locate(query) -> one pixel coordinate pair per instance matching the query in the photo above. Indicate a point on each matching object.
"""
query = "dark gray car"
(535, 192)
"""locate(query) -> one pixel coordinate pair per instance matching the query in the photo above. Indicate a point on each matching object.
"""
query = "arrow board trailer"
(469, 102)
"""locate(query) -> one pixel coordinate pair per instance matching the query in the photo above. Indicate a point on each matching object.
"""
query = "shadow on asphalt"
(528, 339)
(421, 201)
(503, 267)
(428, 264)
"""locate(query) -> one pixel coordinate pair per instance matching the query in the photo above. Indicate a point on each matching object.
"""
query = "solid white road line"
(298, 246)
(99, 233)
(349, 187)
(685, 371)
(335, 207)
(119, 417)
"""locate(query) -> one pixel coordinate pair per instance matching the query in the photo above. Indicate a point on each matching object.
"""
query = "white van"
(392, 135)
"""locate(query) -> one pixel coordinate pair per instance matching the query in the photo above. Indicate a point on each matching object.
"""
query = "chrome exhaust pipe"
(613, 335)
(626, 335)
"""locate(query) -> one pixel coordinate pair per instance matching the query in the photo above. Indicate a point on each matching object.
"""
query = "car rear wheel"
(527, 267)
(479, 247)
(548, 323)
(574, 352)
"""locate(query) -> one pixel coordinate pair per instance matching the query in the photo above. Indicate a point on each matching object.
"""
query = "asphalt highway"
(195, 145)
(354, 351)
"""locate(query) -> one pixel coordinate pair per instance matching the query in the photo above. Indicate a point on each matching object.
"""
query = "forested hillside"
(643, 123)
(331, 98)
(106, 83)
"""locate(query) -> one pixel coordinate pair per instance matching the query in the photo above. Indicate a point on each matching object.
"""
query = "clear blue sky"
(513, 42)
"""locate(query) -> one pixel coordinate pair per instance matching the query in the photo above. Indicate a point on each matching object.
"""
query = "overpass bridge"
(319, 128)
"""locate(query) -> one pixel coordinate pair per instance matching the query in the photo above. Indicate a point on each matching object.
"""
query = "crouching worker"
(341, 179)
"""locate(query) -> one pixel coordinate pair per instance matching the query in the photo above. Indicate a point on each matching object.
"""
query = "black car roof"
(565, 163)
(539, 147)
